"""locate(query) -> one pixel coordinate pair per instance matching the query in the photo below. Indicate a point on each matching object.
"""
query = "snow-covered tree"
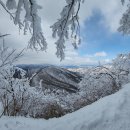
(125, 20)
(8, 56)
(32, 22)
(121, 67)
(12, 89)
(69, 20)
(98, 82)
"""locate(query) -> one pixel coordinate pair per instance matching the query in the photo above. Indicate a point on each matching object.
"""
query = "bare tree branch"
(4, 35)
(4, 7)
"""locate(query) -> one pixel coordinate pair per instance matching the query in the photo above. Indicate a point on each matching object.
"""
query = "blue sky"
(97, 38)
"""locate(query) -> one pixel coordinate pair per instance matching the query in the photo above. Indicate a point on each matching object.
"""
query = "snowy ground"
(109, 113)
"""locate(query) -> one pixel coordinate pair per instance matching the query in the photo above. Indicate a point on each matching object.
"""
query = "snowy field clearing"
(109, 113)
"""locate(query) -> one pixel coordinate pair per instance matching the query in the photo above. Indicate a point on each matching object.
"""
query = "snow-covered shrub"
(101, 81)
(121, 67)
(39, 105)
(13, 91)
(19, 99)
(97, 83)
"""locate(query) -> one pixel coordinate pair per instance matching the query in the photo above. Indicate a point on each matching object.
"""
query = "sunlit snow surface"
(109, 113)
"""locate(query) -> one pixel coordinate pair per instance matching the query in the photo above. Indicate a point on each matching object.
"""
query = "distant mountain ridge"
(50, 76)
(34, 66)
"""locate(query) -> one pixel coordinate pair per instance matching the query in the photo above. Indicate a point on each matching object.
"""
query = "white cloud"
(72, 57)
(100, 54)
(111, 10)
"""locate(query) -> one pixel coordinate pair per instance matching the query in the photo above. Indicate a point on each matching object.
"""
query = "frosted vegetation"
(66, 27)
(109, 113)
(19, 98)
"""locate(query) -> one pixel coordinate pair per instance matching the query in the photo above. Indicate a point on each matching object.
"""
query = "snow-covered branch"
(5, 8)
(122, 1)
(37, 38)
(125, 20)
(69, 19)
(68, 22)
(31, 22)
(67, 26)
(3, 35)
(7, 56)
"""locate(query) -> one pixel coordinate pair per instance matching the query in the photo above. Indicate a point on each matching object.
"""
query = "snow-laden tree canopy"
(67, 26)
(31, 20)
(125, 20)
(69, 20)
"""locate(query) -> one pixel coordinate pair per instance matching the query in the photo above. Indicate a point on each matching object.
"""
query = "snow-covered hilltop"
(53, 77)
(109, 113)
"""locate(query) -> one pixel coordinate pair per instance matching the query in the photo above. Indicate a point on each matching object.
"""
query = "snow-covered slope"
(109, 113)
(50, 77)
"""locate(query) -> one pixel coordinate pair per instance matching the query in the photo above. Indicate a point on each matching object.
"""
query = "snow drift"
(109, 113)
